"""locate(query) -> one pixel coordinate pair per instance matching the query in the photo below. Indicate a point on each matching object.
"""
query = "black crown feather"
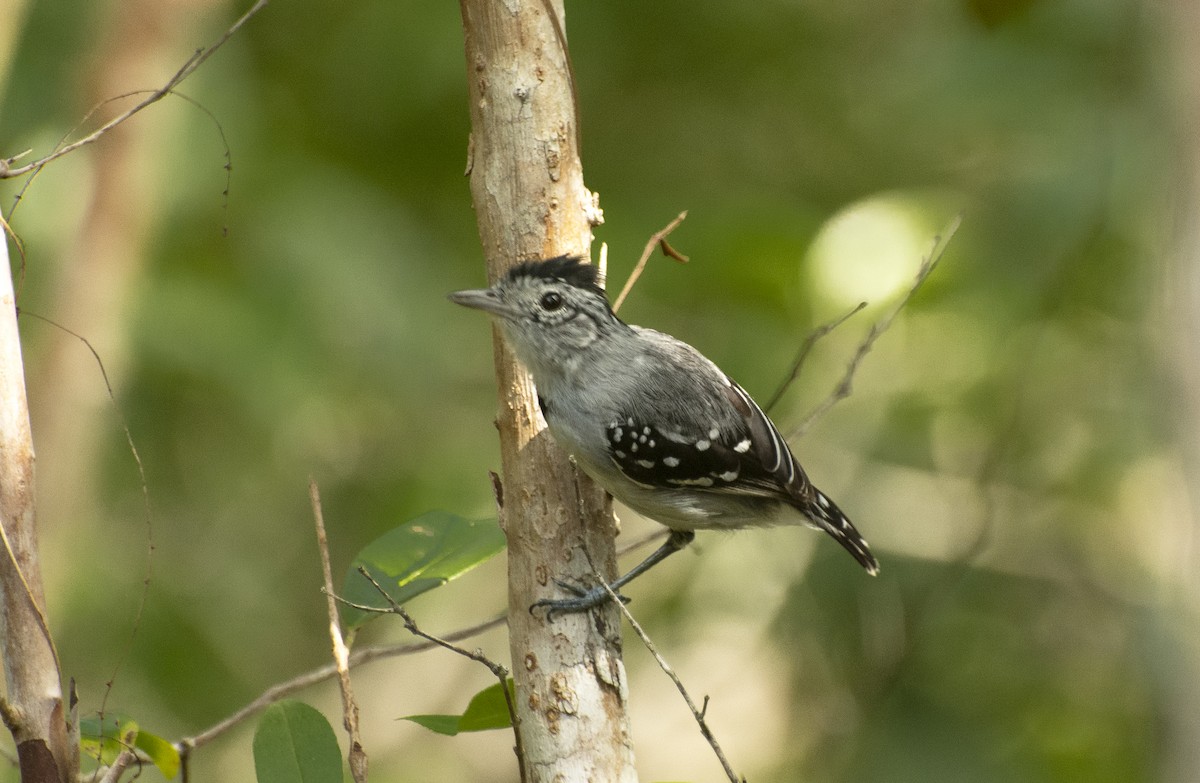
(569, 269)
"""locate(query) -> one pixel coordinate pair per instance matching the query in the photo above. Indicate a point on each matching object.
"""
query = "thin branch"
(805, 349)
(660, 239)
(195, 61)
(477, 655)
(843, 388)
(119, 765)
(148, 579)
(341, 654)
(698, 714)
(358, 657)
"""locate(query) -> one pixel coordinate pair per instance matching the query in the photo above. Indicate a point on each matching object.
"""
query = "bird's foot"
(584, 600)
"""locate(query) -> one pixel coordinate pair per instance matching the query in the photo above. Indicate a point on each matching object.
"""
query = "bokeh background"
(1020, 447)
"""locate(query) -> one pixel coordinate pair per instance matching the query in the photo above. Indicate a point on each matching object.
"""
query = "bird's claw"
(583, 601)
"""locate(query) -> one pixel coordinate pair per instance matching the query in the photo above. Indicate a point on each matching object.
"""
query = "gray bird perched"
(650, 419)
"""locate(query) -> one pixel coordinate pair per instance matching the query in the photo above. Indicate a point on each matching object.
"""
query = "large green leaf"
(105, 740)
(417, 556)
(486, 710)
(295, 744)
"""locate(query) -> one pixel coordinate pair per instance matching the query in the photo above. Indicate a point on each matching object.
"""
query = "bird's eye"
(551, 301)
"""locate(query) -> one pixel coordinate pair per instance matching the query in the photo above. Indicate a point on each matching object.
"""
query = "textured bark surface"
(530, 202)
(34, 706)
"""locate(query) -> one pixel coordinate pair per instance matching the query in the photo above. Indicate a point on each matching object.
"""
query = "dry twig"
(341, 654)
(477, 655)
(805, 350)
(197, 59)
(660, 239)
(119, 765)
(843, 388)
(697, 713)
(148, 579)
(284, 689)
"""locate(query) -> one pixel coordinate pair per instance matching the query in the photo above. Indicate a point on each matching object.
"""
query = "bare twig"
(805, 349)
(195, 61)
(119, 765)
(602, 262)
(341, 654)
(659, 238)
(698, 714)
(358, 657)
(227, 154)
(843, 388)
(148, 579)
(476, 655)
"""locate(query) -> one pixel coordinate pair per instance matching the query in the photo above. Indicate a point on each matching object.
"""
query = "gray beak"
(481, 299)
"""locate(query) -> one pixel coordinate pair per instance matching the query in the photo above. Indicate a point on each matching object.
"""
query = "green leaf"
(295, 744)
(442, 724)
(486, 710)
(105, 741)
(160, 751)
(417, 556)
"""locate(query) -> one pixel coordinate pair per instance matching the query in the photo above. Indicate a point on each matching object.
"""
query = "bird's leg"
(586, 599)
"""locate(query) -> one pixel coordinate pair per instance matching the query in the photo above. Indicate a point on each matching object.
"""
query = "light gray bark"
(33, 708)
(530, 202)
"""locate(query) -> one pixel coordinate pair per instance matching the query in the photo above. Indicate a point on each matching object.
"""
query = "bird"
(648, 417)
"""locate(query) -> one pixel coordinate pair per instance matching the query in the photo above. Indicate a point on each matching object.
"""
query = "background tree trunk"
(530, 202)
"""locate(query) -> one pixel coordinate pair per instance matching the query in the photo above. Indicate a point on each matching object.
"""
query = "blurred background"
(1020, 448)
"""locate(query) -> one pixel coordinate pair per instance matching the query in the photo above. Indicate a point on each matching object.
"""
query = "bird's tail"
(825, 514)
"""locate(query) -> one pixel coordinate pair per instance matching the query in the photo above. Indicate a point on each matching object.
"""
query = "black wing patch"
(771, 450)
(746, 455)
(658, 457)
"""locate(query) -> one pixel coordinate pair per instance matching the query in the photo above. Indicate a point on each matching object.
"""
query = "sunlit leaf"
(486, 710)
(294, 743)
(160, 751)
(417, 556)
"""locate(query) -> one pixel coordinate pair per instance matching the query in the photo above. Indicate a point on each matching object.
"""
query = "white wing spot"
(633, 447)
(671, 462)
(702, 445)
(728, 475)
(629, 421)
(714, 433)
(742, 446)
(617, 433)
(822, 500)
(703, 481)
(651, 443)
(645, 430)
(641, 438)
(645, 463)
(620, 454)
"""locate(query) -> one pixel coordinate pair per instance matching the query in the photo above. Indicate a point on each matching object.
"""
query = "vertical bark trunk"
(530, 202)
(33, 709)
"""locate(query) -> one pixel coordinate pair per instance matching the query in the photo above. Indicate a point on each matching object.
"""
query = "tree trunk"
(33, 710)
(530, 202)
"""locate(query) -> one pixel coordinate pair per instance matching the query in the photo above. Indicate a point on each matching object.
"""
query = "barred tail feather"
(825, 514)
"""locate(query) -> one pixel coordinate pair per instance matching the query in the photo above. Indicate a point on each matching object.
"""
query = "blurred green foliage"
(1011, 447)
